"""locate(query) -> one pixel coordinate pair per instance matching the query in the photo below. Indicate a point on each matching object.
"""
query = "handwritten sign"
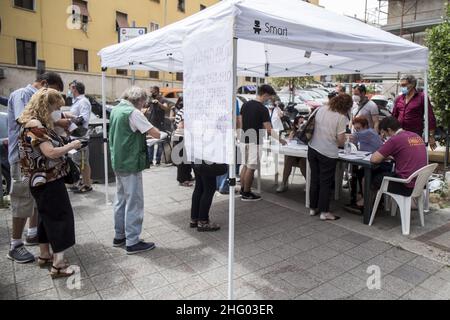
(208, 92)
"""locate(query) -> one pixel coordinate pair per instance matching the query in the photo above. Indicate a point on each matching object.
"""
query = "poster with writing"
(208, 92)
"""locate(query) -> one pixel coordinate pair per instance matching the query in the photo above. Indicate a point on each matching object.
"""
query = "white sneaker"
(282, 187)
(312, 212)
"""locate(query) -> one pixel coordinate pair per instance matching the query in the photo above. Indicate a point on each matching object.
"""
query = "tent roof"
(303, 39)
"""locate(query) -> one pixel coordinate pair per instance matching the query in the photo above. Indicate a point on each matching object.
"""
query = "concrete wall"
(19, 77)
(426, 10)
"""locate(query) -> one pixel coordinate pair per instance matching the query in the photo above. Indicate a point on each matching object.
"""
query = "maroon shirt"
(411, 114)
(409, 153)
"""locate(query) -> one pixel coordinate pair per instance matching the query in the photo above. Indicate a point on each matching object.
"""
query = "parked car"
(305, 97)
(382, 103)
(6, 176)
(298, 104)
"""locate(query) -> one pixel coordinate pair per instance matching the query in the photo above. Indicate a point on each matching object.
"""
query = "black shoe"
(193, 224)
(119, 242)
(158, 163)
(31, 241)
(354, 209)
(140, 247)
(20, 255)
(250, 197)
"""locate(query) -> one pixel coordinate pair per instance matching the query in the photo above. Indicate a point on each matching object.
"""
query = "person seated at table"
(408, 151)
(290, 161)
(366, 139)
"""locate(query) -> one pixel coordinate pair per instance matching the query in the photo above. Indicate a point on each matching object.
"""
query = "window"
(122, 72)
(202, 7)
(83, 7)
(121, 20)
(24, 4)
(154, 26)
(181, 5)
(80, 60)
(179, 76)
(26, 53)
(248, 79)
(154, 74)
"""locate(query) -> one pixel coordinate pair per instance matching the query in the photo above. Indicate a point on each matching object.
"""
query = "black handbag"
(306, 131)
(73, 172)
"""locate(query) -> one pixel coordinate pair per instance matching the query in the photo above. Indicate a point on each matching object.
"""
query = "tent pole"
(105, 134)
(232, 175)
(427, 138)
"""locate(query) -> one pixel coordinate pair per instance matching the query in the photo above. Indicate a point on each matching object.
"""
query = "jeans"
(129, 207)
(223, 185)
(205, 187)
(151, 151)
(323, 170)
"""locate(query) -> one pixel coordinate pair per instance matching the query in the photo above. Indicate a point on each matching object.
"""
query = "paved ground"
(281, 252)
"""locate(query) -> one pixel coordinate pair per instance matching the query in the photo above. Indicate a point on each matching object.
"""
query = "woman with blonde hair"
(43, 161)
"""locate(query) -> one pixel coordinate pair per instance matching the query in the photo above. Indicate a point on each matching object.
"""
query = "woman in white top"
(329, 135)
(275, 116)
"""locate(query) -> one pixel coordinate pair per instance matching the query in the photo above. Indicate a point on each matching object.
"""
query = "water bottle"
(347, 147)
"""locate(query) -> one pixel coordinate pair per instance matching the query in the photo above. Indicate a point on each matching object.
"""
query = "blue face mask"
(405, 90)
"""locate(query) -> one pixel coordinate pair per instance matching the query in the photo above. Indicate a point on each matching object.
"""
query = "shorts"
(22, 202)
(81, 158)
(250, 155)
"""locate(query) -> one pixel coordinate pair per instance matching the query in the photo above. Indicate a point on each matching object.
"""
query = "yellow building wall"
(47, 26)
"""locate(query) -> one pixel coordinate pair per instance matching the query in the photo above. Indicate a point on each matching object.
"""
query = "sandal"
(84, 189)
(42, 262)
(329, 217)
(207, 226)
(61, 272)
(186, 184)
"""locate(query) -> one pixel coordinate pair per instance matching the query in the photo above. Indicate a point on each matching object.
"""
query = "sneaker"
(119, 242)
(282, 187)
(31, 241)
(250, 196)
(20, 255)
(158, 163)
(328, 217)
(207, 227)
(140, 247)
(313, 212)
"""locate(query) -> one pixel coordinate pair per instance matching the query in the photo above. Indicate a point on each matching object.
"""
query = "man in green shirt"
(127, 142)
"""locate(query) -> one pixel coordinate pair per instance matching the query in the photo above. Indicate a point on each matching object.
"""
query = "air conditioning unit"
(2, 74)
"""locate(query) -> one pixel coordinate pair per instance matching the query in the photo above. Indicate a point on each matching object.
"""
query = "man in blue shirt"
(22, 203)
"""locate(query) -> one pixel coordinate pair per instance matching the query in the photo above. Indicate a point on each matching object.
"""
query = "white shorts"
(250, 155)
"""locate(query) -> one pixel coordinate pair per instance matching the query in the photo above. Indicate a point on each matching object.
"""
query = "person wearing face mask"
(364, 107)
(409, 108)
(43, 159)
(128, 133)
(408, 151)
(290, 161)
(22, 204)
(155, 113)
(255, 119)
(275, 115)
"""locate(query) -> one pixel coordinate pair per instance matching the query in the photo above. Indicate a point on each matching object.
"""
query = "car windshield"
(305, 96)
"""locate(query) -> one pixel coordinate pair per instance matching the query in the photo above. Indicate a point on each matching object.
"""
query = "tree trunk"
(447, 148)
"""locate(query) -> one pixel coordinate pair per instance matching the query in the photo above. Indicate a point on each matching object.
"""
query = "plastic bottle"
(347, 146)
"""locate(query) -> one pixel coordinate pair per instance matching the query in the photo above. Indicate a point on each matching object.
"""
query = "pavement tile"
(123, 291)
(436, 285)
(178, 273)
(325, 271)
(355, 238)
(50, 294)
(444, 273)
(400, 254)
(361, 253)
(164, 293)
(425, 264)
(67, 293)
(410, 274)
(396, 285)
(341, 245)
(323, 253)
(386, 264)
(107, 280)
(191, 286)
(344, 261)
(374, 294)
(419, 293)
(348, 283)
(33, 286)
(327, 291)
(149, 282)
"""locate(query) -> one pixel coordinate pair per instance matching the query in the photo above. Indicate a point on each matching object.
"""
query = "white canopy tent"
(271, 39)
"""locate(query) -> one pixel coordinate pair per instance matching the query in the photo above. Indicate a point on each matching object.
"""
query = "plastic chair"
(404, 203)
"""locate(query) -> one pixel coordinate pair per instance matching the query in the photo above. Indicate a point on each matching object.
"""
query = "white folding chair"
(404, 203)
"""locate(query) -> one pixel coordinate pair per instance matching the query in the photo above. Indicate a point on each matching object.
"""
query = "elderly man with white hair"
(128, 133)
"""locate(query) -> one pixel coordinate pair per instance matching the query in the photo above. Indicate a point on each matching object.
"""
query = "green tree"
(296, 82)
(438, 41)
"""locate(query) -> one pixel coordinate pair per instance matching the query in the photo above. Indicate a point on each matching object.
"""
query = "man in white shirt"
(79, 114)
(364, 107)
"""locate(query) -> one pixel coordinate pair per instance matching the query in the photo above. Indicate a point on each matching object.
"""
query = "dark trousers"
(322, 177)
(56, 224)
(205, 187)
(184, 168)
(394, 187)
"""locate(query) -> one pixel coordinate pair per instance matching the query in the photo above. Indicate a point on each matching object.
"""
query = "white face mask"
(356, 99)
